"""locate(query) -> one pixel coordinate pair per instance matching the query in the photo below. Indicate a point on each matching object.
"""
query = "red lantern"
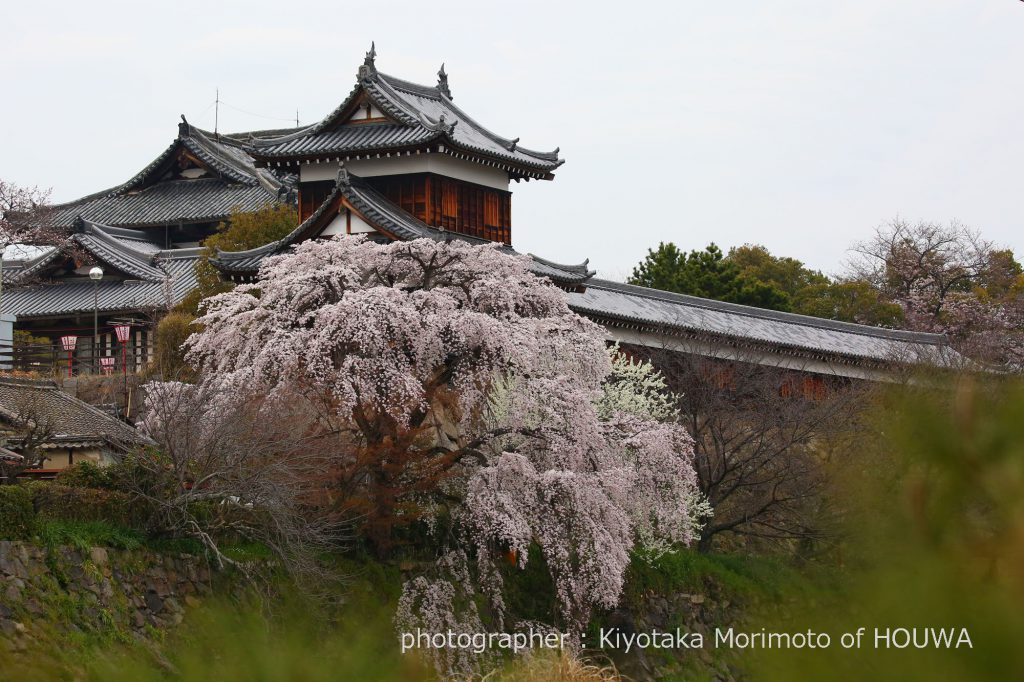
(123, 332)
(69, 343)
(107, 365)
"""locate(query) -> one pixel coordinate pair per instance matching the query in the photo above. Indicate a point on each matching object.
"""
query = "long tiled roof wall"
(652, 309)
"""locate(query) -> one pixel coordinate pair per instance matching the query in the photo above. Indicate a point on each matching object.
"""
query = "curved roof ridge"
(580, 269)
(267, 248)
(177, 254)
(776, 315)
(417, 88)
(94, 239)
(287, 137)
(222, 161)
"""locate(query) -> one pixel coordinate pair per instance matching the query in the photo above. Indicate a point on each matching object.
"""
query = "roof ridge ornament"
(512, 145)
(442, 83)
(344, 178)
(184, 128)
(441, 125)
(368, 71)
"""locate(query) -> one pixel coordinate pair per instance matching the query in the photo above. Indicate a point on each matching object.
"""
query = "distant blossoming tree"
(451, 381)
(949, 280)
(24, 213)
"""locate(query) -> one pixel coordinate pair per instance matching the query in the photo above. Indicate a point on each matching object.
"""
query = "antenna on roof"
(216, 111)
(296, 118)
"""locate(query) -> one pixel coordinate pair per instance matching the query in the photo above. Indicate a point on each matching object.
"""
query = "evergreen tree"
(707, 274)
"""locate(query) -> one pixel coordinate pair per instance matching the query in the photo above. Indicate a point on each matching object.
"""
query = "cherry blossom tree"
(948, 279)
(22, 213)
(451, 383)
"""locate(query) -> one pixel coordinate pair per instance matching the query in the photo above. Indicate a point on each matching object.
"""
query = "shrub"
(171, 333)
(85, 475)
(63, 502)
(17, 517)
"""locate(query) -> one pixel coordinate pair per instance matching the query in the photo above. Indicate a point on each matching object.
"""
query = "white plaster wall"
(722, 352)
(360, 226)
(360, 113)
(442, 164)
(336, 226)
(340, 225)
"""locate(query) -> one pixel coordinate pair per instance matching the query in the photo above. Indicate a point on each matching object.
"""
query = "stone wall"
(118, 595)
(699, 612)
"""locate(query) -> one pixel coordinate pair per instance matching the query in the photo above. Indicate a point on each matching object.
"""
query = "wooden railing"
(52, 360)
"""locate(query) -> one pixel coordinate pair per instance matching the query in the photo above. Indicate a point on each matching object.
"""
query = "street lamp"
(95, 274)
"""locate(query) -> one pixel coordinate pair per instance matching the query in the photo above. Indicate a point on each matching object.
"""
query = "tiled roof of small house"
(67, 421)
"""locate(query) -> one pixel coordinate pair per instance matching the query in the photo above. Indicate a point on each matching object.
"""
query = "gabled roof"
(154, 277)
(415, 117)
(387, 217)
(68, 420)
(150, 198)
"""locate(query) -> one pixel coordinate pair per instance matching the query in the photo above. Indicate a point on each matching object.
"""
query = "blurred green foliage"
(935, 516)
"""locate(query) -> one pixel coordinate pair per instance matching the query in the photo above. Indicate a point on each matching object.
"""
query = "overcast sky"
(800, 125)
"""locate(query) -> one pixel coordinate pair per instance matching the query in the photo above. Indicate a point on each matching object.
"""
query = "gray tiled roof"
(146, 199)
(156, 278)
(361, 138)
(68, 419)
(654, 309)
(418, 114)
(166, 203)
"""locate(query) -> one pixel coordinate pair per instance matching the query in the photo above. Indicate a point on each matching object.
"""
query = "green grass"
(85, 534)
(738, 576)
(247, 551)
(166, 545)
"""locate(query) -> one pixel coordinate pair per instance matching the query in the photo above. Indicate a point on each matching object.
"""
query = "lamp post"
(69, 343)
(95, 274)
